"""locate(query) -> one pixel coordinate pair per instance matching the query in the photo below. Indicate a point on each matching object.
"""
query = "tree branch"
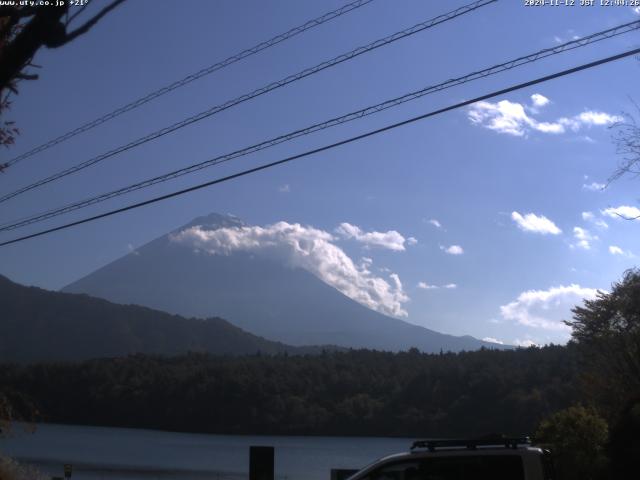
(44, 25)
(90, 23)
(75, 15)
(45, 28)
(627, 141)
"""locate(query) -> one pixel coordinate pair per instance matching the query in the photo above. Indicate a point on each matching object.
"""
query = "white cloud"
(426, 286)
(390, 240)
(535, 223)
(539, 100)
(452, 250)
(569, 35)
(546, 127)
(622, 212)
(583, 237)
(570, 123)
(435, 223)
(636, 10)
(365, 263)
(511, 118)
(594, 186)
(524, 343)
(308, 248)
(284, 188)
(545, 309)
(615, 250)
(492, 340)
(412, 241)
(396, 281)
(591, 117)
(598, 222)
(503, 117)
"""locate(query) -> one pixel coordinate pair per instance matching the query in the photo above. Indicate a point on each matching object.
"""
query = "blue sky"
(513, 182)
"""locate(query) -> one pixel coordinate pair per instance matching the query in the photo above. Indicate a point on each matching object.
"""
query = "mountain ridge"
(256, 293)
(42, 325)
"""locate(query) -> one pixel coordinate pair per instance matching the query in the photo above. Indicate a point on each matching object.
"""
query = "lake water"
(121, 453)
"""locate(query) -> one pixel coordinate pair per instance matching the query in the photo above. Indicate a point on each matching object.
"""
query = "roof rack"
(472, 444)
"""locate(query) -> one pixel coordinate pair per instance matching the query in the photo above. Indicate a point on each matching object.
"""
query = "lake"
(132, 454)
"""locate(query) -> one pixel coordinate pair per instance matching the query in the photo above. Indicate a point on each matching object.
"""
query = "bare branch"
(627, 141)
(90, 23)
(75, 15)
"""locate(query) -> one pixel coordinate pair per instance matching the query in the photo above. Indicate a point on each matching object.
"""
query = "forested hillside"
(344, 393)
(40, 325)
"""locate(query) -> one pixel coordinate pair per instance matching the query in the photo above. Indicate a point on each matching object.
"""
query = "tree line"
(358, 392)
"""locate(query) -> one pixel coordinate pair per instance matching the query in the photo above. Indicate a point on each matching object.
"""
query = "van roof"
(496, 441)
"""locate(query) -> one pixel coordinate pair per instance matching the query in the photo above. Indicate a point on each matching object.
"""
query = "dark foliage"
(607, 333)
(624, 444)
(577, 437)
(341, 393)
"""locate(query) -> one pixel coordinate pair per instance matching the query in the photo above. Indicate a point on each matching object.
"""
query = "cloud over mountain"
(308, 248)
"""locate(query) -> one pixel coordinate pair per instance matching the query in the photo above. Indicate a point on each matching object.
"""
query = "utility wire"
(523, 60)
(256, 93)
(192, 77)
(331, 146)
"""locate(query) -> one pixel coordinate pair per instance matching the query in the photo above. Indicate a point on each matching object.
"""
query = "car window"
(406, 470)
(481, 467)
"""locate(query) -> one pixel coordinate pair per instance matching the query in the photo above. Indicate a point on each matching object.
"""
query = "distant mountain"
(39, 325)
(259, 293)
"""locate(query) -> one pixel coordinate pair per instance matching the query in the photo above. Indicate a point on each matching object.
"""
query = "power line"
(331, 146)
(256, 93)
(192, 77)
(523, 60)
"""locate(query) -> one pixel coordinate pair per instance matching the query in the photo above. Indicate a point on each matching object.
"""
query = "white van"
(489, 458)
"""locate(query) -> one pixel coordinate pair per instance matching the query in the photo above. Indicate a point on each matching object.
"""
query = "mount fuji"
(284, 282)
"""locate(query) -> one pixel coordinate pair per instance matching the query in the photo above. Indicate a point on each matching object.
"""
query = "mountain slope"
(39, 325)
(257, 293)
